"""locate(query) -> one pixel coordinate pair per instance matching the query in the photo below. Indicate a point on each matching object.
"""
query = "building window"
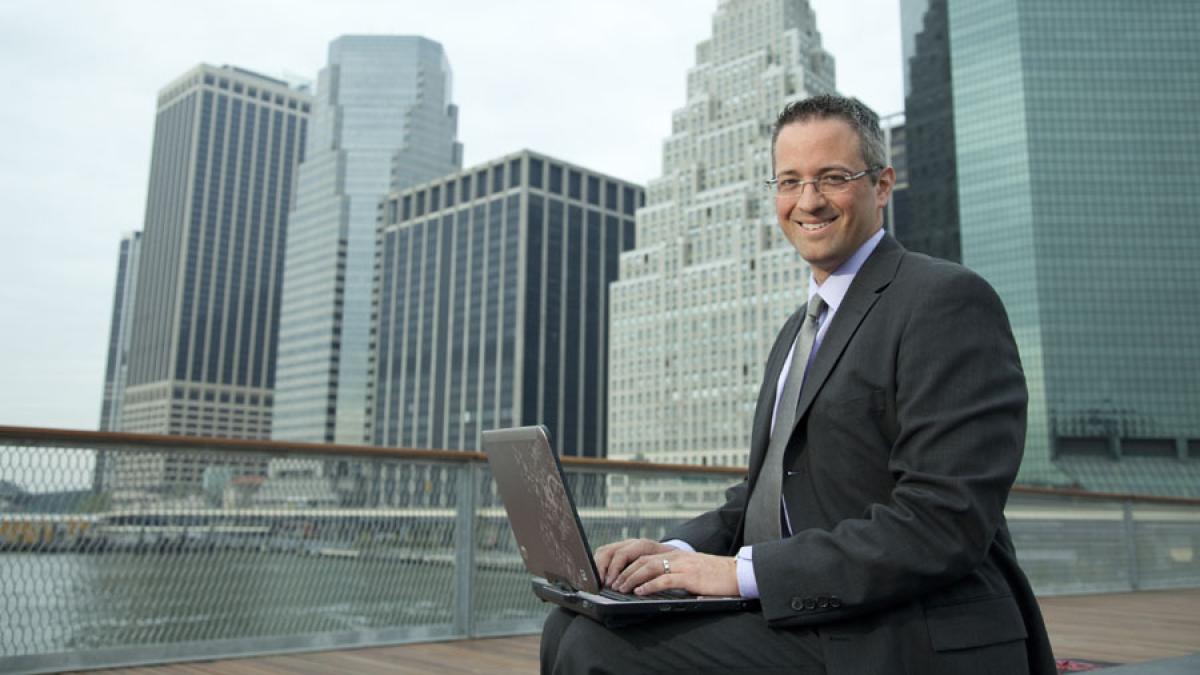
(535, 172)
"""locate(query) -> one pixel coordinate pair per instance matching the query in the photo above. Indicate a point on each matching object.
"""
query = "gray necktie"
(762, 512)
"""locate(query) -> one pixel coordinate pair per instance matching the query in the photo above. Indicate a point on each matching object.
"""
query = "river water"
(72, 601)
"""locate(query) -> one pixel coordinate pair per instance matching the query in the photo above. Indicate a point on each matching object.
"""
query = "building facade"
(202, 348)
(491, 306)
(932, 196)
(1075, 132)
(492, 303)
(897, 216)
(382, 120)
(116, 369)
(712, 279)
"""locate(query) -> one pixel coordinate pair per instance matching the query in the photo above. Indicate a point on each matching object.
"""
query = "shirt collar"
(835, 286)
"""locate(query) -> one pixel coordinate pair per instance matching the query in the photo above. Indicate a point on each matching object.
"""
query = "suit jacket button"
(810, 603)
(835, 602)
(798, 604)
(823, 602)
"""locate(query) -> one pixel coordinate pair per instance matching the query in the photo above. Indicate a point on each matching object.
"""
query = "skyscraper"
(702, 296)
(1074, 142)
(492, 303)
(932, 194)
(201, 358)
(120, 327)
(897, 217)
(383, 120)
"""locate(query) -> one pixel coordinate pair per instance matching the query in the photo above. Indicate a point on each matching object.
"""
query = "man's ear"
(883, 186)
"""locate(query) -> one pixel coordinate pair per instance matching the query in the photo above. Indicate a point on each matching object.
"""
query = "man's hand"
(637, 565)
(613, 559)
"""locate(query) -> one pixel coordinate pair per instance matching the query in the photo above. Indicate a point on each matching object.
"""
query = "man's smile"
(813, 227)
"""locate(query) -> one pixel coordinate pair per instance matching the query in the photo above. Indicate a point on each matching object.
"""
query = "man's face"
(827, 228)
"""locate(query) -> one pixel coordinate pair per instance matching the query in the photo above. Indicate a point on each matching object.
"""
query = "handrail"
(49, 436)
(234, 561)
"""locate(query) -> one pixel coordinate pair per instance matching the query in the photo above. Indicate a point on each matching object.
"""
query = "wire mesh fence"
(118, 552)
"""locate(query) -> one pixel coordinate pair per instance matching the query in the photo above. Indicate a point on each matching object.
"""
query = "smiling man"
(888, 432)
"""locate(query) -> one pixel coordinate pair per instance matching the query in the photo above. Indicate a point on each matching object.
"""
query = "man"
(871, 524)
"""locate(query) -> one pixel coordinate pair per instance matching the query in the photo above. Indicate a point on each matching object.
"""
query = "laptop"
(551, 540)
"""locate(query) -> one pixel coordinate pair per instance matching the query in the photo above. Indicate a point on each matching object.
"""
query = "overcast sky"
(593, 83)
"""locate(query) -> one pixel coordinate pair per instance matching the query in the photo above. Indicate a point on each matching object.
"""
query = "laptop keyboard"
(669, 594)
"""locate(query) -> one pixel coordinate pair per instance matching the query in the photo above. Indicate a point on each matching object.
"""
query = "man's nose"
(810, 198)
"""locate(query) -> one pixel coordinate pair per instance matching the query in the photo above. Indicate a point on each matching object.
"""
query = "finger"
(610, 560)
(603, 559)
(640, 571)
(660, 582)
(623, 557)
(623, 577)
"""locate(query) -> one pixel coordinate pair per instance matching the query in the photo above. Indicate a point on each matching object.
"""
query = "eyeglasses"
(828, 184)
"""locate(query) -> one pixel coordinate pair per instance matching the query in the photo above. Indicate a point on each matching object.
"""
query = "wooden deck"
(1112, 628)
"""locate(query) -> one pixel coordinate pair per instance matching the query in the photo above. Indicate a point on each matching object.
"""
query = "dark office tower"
(202, 353)
(492, 303)
(382, 120)
(1076, 135)
(117, 368)
(898, 214)
(932, 195)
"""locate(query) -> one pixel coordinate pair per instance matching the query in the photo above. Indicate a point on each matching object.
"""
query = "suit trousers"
(709, 643)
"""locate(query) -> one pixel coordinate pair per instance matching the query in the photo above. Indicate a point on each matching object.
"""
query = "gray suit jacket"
(910, 430)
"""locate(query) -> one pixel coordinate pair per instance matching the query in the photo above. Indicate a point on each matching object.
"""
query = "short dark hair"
(852, 111)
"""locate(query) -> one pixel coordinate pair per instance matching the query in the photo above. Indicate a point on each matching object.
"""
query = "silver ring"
(666, 566)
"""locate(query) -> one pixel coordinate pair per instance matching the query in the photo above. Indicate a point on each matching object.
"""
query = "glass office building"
(1076, 137)
(897, 215)
(932, 194)
(117, 369)
(382, 120)
(492, 303)
(202, 345)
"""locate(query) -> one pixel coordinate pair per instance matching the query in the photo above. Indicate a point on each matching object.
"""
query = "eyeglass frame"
(773, 183)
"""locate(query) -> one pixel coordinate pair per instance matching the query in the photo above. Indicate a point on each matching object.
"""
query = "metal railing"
(122, 549)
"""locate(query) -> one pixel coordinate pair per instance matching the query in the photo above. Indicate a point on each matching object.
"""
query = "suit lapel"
(874, 276)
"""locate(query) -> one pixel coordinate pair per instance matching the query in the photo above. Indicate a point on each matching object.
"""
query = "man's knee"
(577, 644)
(552, 633)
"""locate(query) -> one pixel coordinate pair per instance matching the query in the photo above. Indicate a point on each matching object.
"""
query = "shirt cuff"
(680, 544)
(747, 582)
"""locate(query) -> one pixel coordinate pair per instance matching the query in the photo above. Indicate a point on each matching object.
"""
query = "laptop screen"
(540, 509)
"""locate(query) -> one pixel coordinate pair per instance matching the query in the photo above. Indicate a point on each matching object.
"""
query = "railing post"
(1130, 531)
(464, 549)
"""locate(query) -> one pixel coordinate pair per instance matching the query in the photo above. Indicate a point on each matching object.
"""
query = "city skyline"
(82, 111)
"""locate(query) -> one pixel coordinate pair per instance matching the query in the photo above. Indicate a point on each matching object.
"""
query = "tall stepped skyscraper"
(712, 278)
(382, 121)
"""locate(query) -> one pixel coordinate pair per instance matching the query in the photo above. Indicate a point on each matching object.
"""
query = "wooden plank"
(1124, 627)
(1111, 628)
